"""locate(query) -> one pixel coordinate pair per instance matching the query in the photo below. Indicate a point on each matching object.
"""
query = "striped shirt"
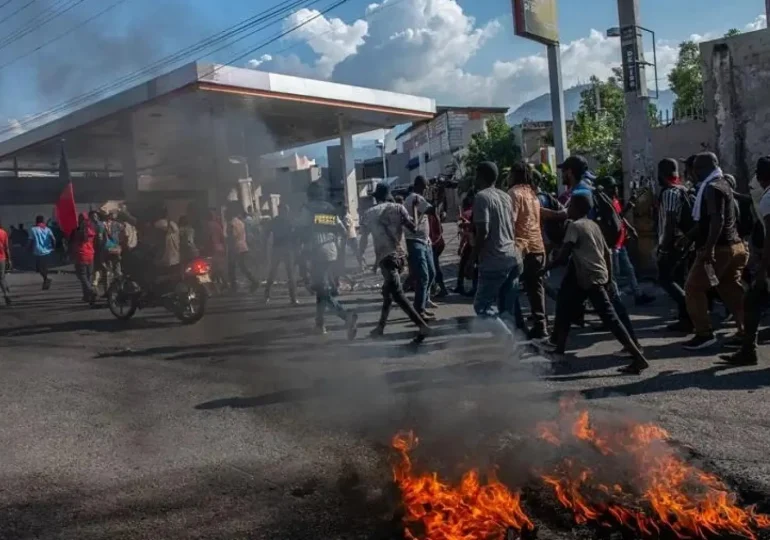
(671, 202)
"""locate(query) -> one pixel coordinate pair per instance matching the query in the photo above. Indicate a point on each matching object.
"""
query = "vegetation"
(497, 144)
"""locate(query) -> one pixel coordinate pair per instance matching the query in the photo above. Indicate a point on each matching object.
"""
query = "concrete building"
(195, 132)
(736, 76)
(433, 144)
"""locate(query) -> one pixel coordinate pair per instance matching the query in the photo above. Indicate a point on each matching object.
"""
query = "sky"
(460, 52)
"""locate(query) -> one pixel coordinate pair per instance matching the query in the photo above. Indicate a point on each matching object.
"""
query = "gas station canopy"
(176, 123)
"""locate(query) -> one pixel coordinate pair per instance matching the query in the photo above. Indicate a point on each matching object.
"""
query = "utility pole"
(557, 104)
(637, 137)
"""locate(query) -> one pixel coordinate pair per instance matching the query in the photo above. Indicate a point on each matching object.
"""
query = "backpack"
(607, 218)
(554, 230)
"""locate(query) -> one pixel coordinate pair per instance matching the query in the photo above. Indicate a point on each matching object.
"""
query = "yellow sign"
(325, 219)
(536, 20)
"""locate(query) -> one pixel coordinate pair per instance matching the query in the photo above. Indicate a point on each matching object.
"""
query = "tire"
(190, 303)
(122, 306)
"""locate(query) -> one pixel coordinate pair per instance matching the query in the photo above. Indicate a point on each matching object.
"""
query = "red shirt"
(622, 238)
(83, 245)
(3, 244)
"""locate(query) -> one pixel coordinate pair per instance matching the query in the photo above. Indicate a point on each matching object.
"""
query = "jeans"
(729, 265)
(422, 271)
(671, 275)
(392, 291)
(85, 275)
(283, 255)
(622, 265)
(240, 261)
(437, 251)
(534, 285)
(321, 274)
(3, 283)
(496, 294)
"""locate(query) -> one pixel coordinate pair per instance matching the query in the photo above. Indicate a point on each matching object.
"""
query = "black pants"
(754, 303)
(283, 255)
(672, 272)
(241, 262)
(462, 269)
(85, 274)
(603, 298)
(437, 251)
(41, 266)
(534, 285)
(392, 291)
(3, 283)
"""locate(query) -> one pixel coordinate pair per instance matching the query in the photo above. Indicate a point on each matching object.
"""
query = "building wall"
(736, 74)
(681, 140)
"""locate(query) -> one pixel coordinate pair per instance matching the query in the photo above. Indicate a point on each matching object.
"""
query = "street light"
(381, 145)
(616, 32)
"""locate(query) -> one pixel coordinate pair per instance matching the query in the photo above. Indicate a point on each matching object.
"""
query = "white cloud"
(424, 46)
(254, 63)
(15, 127)
(757, 24)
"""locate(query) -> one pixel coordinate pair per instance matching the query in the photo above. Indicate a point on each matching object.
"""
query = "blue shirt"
(43, 241)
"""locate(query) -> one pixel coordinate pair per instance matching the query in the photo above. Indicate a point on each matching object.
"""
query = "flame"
(660, 490)
(436, 510)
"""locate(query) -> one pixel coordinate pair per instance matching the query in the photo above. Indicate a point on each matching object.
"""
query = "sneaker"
(47, 284)
(734, 342)
(443, 293)
(352, 324)
(680, 327)
(538, 334)
(700, 342)
(635, 368)
(545, 344)
(266, 300)
(644, 299)
(294, 302)
(741, 358)
(320, 330)
(377, 332)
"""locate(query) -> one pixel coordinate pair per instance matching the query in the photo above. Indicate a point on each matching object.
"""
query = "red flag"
(65, 212)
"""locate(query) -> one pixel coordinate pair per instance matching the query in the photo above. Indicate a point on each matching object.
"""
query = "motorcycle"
(184, 295)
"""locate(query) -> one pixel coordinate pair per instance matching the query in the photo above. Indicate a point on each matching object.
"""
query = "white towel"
(699, 197)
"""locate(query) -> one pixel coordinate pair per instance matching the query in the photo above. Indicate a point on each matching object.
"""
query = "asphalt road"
(249, 426)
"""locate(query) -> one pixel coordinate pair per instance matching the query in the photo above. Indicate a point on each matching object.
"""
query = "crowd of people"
(711, 246)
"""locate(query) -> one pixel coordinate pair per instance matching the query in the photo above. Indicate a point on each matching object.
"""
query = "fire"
(658, 491)
(436, 510)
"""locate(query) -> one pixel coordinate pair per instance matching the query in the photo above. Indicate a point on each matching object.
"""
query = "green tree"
(497, 144)
(733, 32)
(686, 79)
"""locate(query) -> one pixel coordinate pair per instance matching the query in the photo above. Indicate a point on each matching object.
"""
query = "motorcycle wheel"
(190, 305)
(123, 306)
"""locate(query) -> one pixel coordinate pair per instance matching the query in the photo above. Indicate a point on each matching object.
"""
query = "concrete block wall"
(736, 73)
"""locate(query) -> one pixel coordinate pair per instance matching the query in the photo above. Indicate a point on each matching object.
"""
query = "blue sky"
(458, 51)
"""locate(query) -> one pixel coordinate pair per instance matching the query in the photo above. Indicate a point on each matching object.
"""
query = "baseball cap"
(576, 164)
(763, 166)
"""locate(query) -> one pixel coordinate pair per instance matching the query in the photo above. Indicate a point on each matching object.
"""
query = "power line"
(22, 8)
(277, 12)
(39, 20)
(63, 35)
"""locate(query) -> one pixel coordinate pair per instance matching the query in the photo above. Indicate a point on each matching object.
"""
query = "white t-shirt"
(422, 232)
(764, 204)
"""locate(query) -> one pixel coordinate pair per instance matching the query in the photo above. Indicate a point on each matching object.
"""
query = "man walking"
(529, 242)
(319, 228)
(758, 295)
(238, 252)
(592, 262)
(386, 222)
(282, 252)
(721, 254)
(674, 220)
(495, 248)
(418, 247)
(82, 248)
(5, 264)
(43, 244)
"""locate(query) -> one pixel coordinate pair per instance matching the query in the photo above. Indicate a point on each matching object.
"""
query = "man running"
(386, 221)
(43, 244)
